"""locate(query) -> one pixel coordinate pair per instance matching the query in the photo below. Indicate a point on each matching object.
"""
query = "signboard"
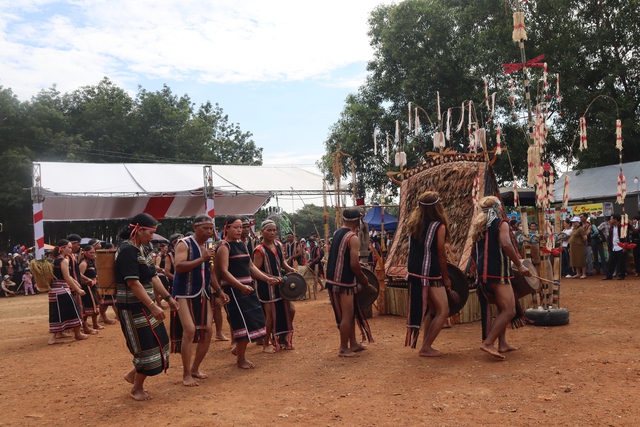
(597, 210)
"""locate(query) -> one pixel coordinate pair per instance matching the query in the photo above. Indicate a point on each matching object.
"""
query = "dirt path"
(585, 373)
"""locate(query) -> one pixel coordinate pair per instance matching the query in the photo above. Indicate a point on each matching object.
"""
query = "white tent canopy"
(92, 191)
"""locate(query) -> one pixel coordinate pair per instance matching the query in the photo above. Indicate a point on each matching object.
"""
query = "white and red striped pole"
(209, 195)
(37, 196)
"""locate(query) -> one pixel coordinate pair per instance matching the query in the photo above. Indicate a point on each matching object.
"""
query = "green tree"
(449, 46)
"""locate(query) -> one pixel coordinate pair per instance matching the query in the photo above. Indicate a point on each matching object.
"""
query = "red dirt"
(584, 373)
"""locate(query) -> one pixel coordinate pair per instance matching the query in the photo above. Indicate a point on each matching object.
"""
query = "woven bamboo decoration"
(565, 191)
(622, 189)
(624, 226)
(418, 128)
(619, 134)
(498, 140)
(583, 133)
(519, 32)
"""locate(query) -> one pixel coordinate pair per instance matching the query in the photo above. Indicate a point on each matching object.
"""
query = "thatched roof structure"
(452, 175)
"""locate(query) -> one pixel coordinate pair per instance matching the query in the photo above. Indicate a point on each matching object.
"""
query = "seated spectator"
(7, 286)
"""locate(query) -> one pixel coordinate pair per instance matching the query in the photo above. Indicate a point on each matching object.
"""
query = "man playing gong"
(344, 276)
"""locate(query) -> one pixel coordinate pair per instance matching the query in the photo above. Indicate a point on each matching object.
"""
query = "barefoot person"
(493, 249)
(191, 288)
(89, 275)
(235, 271)
(428, 229)
(64, 313)
(140, 317)
(279, 312)
(343, 276)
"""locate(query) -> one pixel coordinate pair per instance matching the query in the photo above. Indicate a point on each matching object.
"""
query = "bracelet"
(152, 302)
(167, 298)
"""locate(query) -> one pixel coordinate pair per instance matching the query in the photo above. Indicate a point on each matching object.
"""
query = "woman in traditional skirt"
(107, 300)
(428, 229)
(235, 271)
(91, 298)
(140, 317)
(63, 310)
(279, 312)
(494, 247)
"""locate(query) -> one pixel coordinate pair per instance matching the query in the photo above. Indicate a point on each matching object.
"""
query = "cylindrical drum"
(106, 264)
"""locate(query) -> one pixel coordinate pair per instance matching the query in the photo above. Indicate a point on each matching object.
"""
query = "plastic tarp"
(92, 191)
(374, 219)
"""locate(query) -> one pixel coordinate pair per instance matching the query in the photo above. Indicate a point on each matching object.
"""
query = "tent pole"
(37, 197)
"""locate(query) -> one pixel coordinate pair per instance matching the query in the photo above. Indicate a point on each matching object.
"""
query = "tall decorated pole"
(37, 197)
(209, 194)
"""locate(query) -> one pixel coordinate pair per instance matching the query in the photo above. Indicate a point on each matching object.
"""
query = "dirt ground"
(584, 373)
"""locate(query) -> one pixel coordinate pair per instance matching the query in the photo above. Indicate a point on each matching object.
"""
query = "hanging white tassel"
(410, 118)
(480, 138)
(472, 142)
(438, 140)
(565, 191)
(486, 93)
(519, 32)
(493, 103)
(375, 142)
(448, 134)
(397, 137)
(461, 122)
(388, 149)
(418, 129)
(619, 134)
(438, 106)
(545, 84)
(512, 96)
(401, 158)
(516, 197)
(583, 133)
(558, 96)
(498, 140)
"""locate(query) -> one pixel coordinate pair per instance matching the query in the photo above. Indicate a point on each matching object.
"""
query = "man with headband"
(191, 288)
(344, 276)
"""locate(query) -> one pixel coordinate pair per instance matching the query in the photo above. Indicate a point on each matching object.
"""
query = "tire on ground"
(549, 317)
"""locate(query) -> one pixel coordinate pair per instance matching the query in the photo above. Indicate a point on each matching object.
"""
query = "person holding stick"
(428, 228)
(494, 248)
(344, 276)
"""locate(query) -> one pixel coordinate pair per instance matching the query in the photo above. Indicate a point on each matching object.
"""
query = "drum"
(106, 266)
(366, 296)
(294, 287)
(460, 286)
(525, 285)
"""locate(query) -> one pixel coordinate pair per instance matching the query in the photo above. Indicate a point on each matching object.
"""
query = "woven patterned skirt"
(146, 338)
(63, 310)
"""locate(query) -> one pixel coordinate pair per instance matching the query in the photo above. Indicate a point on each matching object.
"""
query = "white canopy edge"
(93, 191)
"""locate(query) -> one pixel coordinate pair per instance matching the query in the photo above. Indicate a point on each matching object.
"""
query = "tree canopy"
(450, 46)
(103, 123)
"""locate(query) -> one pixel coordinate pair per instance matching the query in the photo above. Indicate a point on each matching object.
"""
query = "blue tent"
(374, 218)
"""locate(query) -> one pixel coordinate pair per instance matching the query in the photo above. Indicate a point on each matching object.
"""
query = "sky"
(281, 69)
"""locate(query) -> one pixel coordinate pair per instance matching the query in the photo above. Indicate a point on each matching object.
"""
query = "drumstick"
(541, 278)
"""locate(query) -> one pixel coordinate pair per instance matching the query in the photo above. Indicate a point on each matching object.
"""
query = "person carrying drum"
(493, 249)
(344, 275)
(428, 229)
(279, 312)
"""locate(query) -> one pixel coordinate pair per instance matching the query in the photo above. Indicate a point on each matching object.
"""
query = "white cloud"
(77, 42)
